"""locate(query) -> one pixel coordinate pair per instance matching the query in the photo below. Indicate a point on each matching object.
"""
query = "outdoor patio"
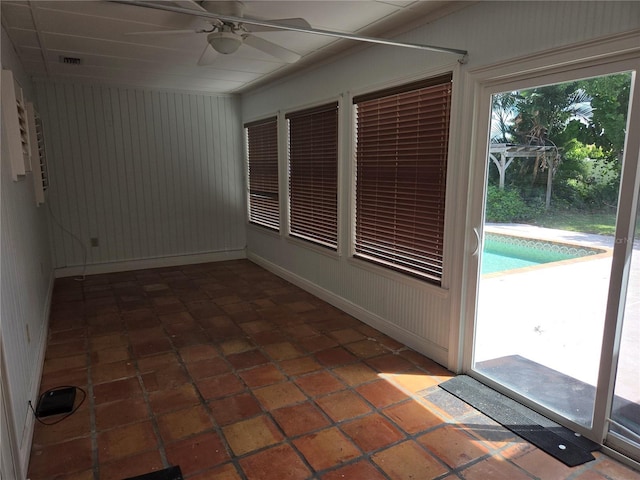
(553, 314)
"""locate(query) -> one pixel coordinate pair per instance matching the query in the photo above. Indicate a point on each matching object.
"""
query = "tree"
(584, 121)
(544, 113)
(610, 103)
(599, 144)
(504, 108)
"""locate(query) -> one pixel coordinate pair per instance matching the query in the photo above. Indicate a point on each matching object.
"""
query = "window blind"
(262, 148)
(401, 163)
(313, 174)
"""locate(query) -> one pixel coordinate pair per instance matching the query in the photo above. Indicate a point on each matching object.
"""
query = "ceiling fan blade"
(289, 22)
(208, 56)
(272, 49)
(165, 32)
(190, 4)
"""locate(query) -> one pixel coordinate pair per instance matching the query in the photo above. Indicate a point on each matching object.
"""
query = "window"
(313, 174)
(262, 148)
(401, 158)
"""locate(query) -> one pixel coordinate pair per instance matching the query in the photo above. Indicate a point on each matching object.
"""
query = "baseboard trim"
(417, 343)
(158, 262)
(29, 425)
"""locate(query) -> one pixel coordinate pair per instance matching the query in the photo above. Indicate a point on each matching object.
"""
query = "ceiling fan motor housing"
(224, 42)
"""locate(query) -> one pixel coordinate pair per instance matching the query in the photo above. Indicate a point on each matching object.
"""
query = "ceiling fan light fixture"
(224, 42)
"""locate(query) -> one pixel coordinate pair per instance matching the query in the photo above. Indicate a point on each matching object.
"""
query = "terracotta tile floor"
(233, 373)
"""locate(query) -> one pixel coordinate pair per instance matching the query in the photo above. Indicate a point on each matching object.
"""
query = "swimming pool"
(506, 252)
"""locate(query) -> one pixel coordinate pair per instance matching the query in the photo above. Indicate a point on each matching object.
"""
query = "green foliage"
(544, 112)
(586, 121)
(576, 150)
(610, 102)
(586, 178)
(506, 206)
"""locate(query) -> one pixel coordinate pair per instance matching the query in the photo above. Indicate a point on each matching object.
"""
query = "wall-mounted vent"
(70, 60)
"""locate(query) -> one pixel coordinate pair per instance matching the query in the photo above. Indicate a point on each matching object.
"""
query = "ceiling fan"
(226, 36)
(230, 30)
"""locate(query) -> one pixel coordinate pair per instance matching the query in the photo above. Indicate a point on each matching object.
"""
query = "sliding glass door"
(622, 412)
(556, 320)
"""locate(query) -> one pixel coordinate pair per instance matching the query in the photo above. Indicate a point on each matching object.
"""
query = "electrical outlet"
(94, 241)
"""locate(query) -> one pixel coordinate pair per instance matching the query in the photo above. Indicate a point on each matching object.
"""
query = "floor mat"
(171, 473)
(560, 442)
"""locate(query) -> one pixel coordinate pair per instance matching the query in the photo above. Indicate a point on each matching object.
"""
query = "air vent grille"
(70, 60)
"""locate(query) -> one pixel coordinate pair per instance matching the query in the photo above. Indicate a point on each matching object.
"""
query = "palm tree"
(536, 117)
(544, 112)
(503, 111)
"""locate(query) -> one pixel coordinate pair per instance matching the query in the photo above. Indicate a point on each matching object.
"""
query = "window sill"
(299, 242)
(264, 230)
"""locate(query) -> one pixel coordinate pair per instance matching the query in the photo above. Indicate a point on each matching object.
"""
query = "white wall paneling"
(491, 32)
(394, 308)
(148, 174)
(25, 288)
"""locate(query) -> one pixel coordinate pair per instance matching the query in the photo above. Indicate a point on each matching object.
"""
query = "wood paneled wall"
(25, 291)
(148, 174)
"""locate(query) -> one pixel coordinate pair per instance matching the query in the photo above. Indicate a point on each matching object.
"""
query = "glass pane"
(552, 192)
(625, 410)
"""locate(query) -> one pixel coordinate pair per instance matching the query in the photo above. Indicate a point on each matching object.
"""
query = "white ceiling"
(96, 32)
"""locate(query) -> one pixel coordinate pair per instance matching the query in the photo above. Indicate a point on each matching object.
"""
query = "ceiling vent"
(70, 60)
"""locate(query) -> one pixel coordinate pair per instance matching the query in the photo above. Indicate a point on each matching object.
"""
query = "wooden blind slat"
(308, 112)
(402, 137)
(418, 87)
(262, 146)
(313, 174)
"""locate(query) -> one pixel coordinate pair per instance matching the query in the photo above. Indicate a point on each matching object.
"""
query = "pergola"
(502, 154)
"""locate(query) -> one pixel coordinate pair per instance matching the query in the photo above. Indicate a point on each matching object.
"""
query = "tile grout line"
(95, 454)
(145, 395)
(215, 426)
(265, 412)
(233, 459)
(249, 390)
(239, 277)
(180, 361)
(337, 424)
(333, 424)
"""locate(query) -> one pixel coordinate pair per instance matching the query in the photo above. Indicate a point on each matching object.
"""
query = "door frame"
(588, 59)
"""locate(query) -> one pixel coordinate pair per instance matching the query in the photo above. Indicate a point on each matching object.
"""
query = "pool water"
(500, 256)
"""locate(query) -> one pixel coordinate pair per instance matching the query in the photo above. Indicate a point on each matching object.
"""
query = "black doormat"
(171, 473)
(560, 442)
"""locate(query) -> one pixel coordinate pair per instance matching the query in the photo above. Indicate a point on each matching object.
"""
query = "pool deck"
(555, 315)
(552, 234)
